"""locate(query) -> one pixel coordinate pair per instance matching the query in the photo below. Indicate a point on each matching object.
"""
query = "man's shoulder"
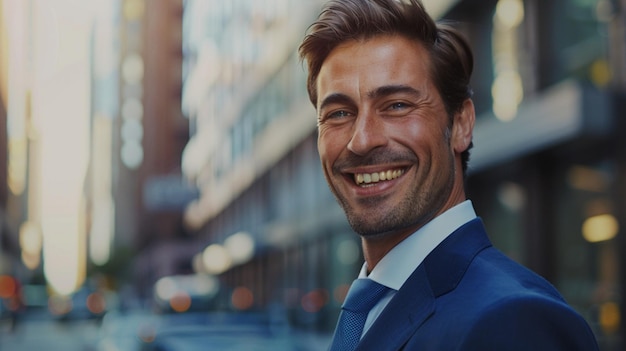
(482, 299)
(529, 319)
(500, 304)
(467, 259)
(504, 270)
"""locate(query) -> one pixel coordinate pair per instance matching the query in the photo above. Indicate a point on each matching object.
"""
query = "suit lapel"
(447, 264)
(408, 309)
(414, 303)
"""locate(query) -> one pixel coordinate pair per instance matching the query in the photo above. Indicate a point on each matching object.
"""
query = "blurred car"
(189, 313)
(221, 331)
(147, 331)
(83, 304)
(191, 338)
(127, 331)
(186, 293)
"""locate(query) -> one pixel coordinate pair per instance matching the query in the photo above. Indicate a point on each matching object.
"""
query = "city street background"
(160, 185)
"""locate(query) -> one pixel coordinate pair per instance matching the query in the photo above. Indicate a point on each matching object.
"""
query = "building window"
(587, 254)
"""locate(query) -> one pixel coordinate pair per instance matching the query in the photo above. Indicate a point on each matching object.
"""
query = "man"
(395, 121)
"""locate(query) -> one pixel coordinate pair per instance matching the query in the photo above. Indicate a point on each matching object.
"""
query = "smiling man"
(395, 121)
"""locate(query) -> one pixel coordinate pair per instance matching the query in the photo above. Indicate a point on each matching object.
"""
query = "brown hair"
(343, 20)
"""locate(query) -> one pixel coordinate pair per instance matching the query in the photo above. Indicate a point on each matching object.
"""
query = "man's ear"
(463, 127)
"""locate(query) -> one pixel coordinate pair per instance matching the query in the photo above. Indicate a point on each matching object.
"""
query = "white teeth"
(367, 178)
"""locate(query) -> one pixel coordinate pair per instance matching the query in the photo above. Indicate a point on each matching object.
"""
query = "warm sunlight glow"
(600, 228)
(61, 118)
(240, 247)
(103, 215)
(15, 19)
(507, 89)
(216, 259)
(30, 244)
(510, 12)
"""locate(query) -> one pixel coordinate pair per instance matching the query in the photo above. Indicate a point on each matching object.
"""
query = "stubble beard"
(414, 210)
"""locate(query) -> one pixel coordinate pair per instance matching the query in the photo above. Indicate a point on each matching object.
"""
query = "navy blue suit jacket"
(467, 295)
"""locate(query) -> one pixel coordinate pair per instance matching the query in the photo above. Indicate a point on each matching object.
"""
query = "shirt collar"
(398, 264)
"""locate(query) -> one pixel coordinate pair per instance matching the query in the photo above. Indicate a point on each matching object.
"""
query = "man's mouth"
(369, 178)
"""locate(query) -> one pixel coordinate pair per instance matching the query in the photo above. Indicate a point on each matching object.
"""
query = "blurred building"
(8, 238)
(136, 190)
(20, 237)
(253, 155)
(3, 132)
(46, 104)
(115, 66)
(546, 174)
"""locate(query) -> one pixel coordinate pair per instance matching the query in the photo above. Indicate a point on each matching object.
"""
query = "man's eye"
(397, 106)
(339, 114)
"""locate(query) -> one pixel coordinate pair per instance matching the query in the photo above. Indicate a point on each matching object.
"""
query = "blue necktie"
(362, 296)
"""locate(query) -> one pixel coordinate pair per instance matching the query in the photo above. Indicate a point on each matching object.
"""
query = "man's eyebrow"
(387, 90)
(336, 98)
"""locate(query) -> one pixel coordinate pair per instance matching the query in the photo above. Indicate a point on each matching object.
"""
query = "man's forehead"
(370, 64)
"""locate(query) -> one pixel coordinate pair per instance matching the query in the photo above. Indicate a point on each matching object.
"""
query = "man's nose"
(368, 133)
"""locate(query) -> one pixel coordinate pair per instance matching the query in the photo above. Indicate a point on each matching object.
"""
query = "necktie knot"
(363, 295)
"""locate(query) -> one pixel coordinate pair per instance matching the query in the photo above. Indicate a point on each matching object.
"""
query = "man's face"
(384, 135)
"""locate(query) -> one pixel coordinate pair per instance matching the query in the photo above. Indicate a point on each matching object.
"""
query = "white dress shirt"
(399, 263)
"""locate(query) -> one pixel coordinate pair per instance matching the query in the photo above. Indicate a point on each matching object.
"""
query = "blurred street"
(138, 331)
(37, 331)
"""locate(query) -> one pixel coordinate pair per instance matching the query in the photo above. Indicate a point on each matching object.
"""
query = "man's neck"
(376, 247)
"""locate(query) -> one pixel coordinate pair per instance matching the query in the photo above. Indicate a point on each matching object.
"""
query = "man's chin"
(373, 237)
(373, 227)
(369, 229)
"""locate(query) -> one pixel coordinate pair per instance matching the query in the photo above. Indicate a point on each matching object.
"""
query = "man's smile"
(364, 179)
